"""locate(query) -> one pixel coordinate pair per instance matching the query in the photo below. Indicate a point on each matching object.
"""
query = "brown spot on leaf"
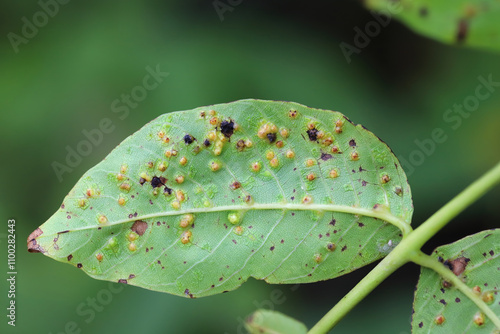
(352, 143)
(79, 265)
(33, 246)
(139, 227)
(240, 145)
(235, 185)
(124, 281)
(326, 156)
(131, 276)
(70, 256)
(458, 265)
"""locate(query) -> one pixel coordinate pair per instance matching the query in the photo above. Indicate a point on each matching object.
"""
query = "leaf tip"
(33, 246)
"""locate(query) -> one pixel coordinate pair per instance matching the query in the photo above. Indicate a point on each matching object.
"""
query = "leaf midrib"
(383, 215)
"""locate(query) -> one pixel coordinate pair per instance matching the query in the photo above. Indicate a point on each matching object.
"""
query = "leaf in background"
(197, 201)
(439, 308)
(472, 23)
(273, 322)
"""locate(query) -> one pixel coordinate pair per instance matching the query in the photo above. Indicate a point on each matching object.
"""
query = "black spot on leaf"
(188, 139)
(156, 182)
(227, 128)
(352, 143)
(124, 281)
(312, 134)
(271, 137)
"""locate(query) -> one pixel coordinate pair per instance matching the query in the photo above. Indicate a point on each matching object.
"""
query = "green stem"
(432, 263)
(408, 249)
(378, 274)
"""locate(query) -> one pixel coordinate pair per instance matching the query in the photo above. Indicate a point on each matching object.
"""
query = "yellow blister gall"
(102, 219)
(186, 237)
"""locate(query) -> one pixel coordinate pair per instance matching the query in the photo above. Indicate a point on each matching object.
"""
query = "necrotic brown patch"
(458, 265)
(139, 227)
(33, 246)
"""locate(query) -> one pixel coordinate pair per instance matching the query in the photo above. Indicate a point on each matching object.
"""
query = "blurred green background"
(64, 79)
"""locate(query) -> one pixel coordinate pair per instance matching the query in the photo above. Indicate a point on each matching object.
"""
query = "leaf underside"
(471, 23)
(272, 322)
(198, 201)
(440, 308)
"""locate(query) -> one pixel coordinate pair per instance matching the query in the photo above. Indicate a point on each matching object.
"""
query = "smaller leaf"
(471, 23)
(441, 308)
(272, 322)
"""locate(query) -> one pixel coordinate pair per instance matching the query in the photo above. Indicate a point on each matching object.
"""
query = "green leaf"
(441, 308)
(273, 322)
(198, 201)
(472, 23)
